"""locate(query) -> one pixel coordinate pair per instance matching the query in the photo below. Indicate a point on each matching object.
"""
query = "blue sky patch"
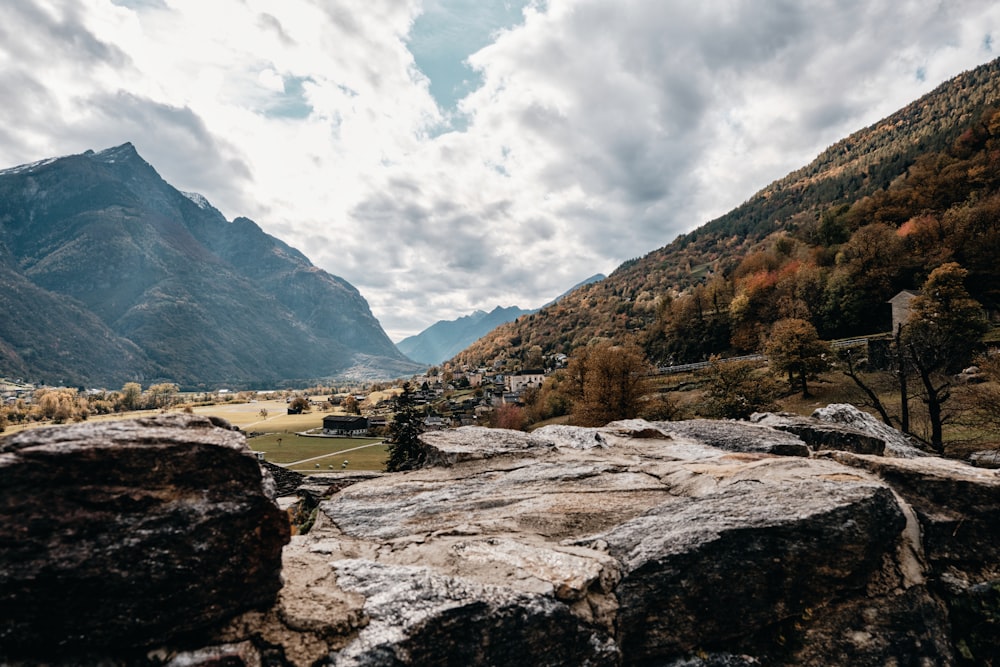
(292, 104)
(448, 32)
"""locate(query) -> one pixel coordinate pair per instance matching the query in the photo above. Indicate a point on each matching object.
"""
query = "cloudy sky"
(448, 155)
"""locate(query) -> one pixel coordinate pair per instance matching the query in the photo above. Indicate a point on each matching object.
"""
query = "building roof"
(905, 295)
(345, 420)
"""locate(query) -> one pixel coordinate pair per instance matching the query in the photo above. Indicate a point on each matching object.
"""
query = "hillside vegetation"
(830, 243)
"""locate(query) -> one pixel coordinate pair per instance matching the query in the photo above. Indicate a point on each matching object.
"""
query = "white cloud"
(599, 131)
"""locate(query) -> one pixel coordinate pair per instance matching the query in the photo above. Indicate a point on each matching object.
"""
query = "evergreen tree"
(405, 452)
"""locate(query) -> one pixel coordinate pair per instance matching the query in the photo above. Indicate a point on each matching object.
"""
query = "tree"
(131, 396)
(735, 390)
(509, 416)
(795, 348)
(853, 360)
(300, 403)
(350, 405)
(59, 405)
(660, 407)
(405, 452)
(534, 357)
(865, 277)
(162, 395)
(610, 381)
(693, 325)
(552, 399)
(944, 326)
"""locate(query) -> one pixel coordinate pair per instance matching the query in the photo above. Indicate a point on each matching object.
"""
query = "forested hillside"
(830, 243)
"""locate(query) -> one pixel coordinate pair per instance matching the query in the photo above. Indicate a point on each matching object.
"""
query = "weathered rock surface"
(693, 543)
(688, 543)
(118, 536)
(820, 435)
(897, 444)
(986, 458)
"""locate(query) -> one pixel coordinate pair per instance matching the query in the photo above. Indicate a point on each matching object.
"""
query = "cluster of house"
(12, 392)
(443, 406)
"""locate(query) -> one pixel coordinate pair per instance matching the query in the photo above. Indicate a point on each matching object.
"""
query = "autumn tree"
(162, 395)
(735, 390)
(404, 448)
(866, 275)
(131, 396)
(976, 241)
(59, 405)
(300, 403)
(660, 407)
(794, 348)
(693, 325)
(610, 381)
(510, 416)
(553, 399)
(350, 405)
(16, 413)
(944, 326)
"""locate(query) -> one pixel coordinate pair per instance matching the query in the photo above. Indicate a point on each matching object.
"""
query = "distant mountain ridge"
(110, 274)
(446, 338)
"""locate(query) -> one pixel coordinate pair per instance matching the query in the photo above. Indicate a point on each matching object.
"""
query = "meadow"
(277, 436)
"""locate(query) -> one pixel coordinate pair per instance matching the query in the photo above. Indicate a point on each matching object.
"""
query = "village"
(447, 399)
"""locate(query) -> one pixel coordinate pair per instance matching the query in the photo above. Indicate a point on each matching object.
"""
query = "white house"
(531, 379)
(901, 307)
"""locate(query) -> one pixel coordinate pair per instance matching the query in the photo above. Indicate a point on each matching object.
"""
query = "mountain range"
(109, 274)
(446, 338)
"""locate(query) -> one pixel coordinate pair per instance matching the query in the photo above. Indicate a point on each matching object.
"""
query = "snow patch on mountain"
(199, 200)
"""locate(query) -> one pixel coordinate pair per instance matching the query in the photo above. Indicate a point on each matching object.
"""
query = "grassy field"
(321, 454)
(277, 436)
(281, 444)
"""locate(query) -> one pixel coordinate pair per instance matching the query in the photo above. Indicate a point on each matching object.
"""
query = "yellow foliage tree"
(610, 381)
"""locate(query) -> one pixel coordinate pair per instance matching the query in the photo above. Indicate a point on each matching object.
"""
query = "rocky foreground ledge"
(789, 541)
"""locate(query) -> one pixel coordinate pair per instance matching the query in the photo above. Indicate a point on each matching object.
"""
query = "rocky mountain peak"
(115, 154)
(194, 299)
